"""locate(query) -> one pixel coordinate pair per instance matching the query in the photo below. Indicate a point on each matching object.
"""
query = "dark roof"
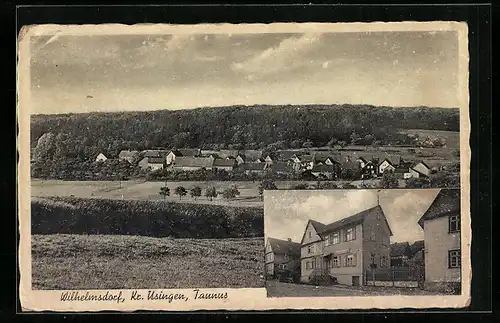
(154, 153)
(193, 162)
(354, 219)
(415, 163)
(446, 202)
(420, 173)
(401, 170)
(279, 166)
(287, 154)
(156, 160)
(253, 166)
(224, 162)
(128, 153)
(323, 168)
(400, 249)
(223, 153)
(394, 160)
(350, 165)
(284, 246)
(251, 155)
(318, 226)
(416, 246)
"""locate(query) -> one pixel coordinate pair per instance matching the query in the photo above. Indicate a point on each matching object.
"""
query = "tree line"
(236, 127)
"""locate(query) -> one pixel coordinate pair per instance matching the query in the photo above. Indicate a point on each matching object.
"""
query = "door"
(355, 280)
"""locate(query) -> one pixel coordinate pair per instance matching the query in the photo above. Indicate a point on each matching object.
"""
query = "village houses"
(282, 258)
(442, 243)
(344, 250)
(323, 165)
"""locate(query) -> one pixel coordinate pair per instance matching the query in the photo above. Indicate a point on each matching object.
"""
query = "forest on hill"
(83, 136)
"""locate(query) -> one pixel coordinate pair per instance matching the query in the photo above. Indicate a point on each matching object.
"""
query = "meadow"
(74, 261)
(149, 191)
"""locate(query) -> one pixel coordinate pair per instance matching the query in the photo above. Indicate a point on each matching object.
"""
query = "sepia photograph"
(363, 242)
(168, 157)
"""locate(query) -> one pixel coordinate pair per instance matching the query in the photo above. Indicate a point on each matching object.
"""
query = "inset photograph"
(362, 242)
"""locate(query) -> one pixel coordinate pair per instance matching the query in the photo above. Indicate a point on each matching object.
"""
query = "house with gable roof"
(344, 250)
(442, 242)
(282, 258)
(193, 163)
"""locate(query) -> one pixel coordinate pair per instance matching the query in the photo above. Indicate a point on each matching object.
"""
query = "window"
(350, 234)
(350, 261)
(309, 250)
(454, 224)
(336, 238)
(286, 256)
(327, 240)
(336, 261)
(313, 265)
(454, 260)
(383, 261)
(310, 234)
(307, 265)
(283, 266)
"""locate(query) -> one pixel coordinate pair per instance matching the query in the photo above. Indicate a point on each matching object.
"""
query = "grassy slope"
(119, 262)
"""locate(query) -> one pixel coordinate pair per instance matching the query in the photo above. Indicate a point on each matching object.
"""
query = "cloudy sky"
(286, 212)
(80, 73)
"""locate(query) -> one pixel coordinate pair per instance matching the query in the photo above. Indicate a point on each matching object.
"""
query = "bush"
(70, 215)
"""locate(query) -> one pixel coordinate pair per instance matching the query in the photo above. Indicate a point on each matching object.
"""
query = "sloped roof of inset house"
(284, 246)
(128, 153)
(252, 166)
(400, 249)
(193, 162)
(416, 246)
(222, 162)
(447, 201)
(318, 226)
(355, 219)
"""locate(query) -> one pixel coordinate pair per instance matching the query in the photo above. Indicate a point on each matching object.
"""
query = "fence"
(395, 276)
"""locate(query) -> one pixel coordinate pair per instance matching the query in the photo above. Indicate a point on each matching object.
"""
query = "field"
(120, 262)
(142, 190)
(452, 137)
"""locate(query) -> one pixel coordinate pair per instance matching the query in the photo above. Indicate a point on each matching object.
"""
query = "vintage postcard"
(244, 167)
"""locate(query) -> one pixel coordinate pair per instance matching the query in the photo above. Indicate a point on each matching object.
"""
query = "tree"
(230, 193)
(266, 185)
(389, 180)
(211, 192)
(181, 191)
(195, 192)
(164, 191)
(354, 138)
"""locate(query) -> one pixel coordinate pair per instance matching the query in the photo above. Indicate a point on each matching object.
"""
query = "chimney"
(289, 240)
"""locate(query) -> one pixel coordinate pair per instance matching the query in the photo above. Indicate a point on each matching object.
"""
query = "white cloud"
(288, 54)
